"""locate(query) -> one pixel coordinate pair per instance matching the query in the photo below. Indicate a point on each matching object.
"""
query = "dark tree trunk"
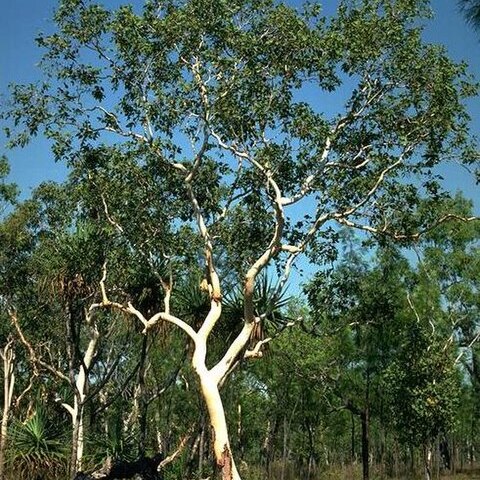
(352, 439)
(365, 417)
(285, 447)
(445, 453)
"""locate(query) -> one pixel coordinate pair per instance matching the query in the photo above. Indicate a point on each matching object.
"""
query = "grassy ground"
(354, 472)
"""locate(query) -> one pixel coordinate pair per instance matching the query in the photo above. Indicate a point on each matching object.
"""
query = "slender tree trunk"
(142, 403)
(221, 442)
(78, 440)
(311, 451)
(267, 445)
(475, 379)
(159, 436)
(412, 460)
(75, 414)
(240, 447)
(437, 458)
(454, 455)
(285, 447)
(365, 417)
(80, 388)
(76, 454)
(427, 460)
(8, 383)
(352, 438)
(81, 439)
(396, 462)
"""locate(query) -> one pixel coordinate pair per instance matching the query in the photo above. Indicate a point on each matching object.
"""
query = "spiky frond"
(37, 446)
(471, 11)
(270, 306)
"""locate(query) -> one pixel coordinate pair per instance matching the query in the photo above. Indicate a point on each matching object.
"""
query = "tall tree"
(191, 126)
(361, 326)
(449, 261)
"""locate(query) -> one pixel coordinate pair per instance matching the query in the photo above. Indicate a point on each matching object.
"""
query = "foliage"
(424, 385)
(471, 9)
(114, 444)
(37, 446)
(8, 191)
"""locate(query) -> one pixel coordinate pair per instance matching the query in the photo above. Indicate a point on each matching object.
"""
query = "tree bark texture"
(8, 383)
(427, 460)
(221, 442)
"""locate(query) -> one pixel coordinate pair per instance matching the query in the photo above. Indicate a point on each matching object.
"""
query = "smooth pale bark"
(8, 383)
(427, 460)
(76, 412)
(210, 381)
(221, 441)
(143, 404)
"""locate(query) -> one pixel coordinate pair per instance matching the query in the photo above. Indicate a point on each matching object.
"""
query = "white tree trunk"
(76, 412)
(427, 452)
(8, 383)
(221, 442)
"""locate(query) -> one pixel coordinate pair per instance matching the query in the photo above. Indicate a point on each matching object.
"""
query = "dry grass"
(349, 472)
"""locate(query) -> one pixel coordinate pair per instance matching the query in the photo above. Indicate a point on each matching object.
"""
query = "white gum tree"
(8, 356)
(78, 379)
(204, 131)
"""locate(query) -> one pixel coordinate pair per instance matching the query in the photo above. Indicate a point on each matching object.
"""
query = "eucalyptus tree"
(8, 358)
(8, 193)
(449, 259)
(206, 132)
(27, 301)
(439, 328)
(423, 386)
(449, 263)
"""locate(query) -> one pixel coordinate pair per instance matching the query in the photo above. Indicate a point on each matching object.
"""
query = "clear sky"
(21, 20)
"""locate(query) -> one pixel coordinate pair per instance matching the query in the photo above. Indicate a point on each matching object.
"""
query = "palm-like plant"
(191, 301)
(116, 444)
(270, 306)
(471, 10)
(37, 448)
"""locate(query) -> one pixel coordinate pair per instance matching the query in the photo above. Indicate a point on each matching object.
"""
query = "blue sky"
(21, 20)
